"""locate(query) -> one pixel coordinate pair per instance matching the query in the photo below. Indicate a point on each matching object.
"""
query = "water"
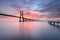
(35, 30)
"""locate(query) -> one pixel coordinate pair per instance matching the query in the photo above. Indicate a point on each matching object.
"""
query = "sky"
(44, 8)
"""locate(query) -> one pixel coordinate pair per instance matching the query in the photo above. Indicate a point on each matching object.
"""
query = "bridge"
(21, 18)
(54, 23)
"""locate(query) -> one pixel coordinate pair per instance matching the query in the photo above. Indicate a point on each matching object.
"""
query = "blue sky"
(49, 8)
(30, 4)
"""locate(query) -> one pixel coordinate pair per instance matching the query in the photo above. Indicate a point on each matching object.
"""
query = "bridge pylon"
(21, 19)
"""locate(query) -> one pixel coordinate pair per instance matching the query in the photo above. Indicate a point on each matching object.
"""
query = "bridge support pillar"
(21, 16)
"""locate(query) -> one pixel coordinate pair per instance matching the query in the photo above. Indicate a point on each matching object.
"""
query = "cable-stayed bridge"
(21, 18)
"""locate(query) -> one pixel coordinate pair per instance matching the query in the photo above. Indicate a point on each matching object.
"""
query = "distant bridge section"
(54, 23)
(21, 18)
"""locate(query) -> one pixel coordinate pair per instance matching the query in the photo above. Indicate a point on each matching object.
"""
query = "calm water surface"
(28, 29)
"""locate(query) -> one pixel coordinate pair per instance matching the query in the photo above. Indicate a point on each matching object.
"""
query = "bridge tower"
(21, 16)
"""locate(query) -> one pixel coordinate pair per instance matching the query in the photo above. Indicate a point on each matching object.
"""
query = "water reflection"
(28, 29)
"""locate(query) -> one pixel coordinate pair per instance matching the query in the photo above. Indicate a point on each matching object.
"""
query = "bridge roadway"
(24, 19)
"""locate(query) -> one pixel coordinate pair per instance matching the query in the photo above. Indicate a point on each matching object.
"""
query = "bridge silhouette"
(21, 18)
(54, 23)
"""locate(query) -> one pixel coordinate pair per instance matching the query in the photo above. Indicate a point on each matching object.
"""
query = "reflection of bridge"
(21, 18)
(54, 23)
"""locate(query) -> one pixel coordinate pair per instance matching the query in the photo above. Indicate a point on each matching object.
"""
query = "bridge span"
(21, 17)
(54, 23)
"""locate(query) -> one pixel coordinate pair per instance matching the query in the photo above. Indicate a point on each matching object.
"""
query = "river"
(35, 30)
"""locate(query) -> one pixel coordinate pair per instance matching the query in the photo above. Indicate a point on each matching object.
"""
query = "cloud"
(49, 8)
(54, 15)
(7, 9)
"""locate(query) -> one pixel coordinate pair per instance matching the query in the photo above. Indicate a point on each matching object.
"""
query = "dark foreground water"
(28, 30)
